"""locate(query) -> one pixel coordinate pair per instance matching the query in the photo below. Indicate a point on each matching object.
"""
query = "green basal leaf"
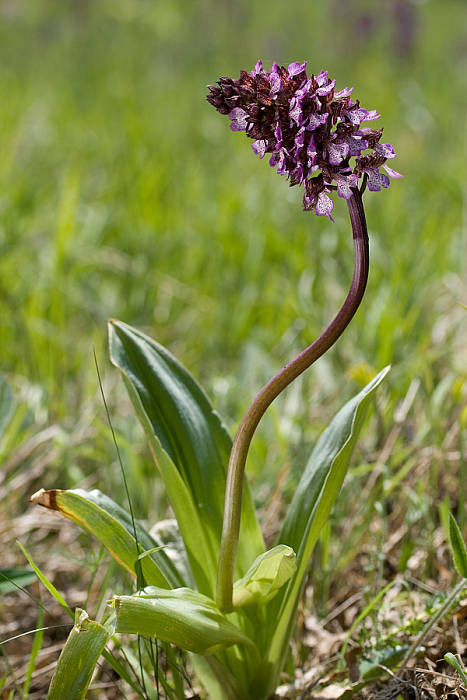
(268, 573)
(168, 533)
(217, 680)
(333, 449)
(200, 553)
(191, 447)
(183, 617)
(310, 508)
(459, 552)
(112, 526)
(79, 656)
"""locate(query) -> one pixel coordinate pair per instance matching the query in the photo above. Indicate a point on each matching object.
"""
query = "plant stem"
(238, 455)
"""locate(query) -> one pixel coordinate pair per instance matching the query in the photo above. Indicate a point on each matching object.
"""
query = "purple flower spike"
(310, 130)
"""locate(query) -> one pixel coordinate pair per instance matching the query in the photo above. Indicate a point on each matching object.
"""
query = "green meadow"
(123, 194)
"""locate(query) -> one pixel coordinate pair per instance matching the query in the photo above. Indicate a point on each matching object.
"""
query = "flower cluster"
(310, 130)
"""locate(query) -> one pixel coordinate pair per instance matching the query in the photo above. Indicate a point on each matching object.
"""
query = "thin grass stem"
(434, 619)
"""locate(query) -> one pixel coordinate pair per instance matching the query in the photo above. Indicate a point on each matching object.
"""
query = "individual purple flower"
(393, 173)
(386, 150)
(239, 119)
(259, 147)
(296, 68)
(258, 68)
(278, 135)
(311, 131)
(324, 205)
(337, 152)
(345, 184)
(316, 120)
(326, 89)
(345, 92)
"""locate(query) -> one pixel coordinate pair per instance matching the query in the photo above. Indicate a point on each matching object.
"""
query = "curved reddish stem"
(256, 410)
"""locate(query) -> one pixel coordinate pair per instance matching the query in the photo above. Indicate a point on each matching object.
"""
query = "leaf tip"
(48, 499)
(111, 323)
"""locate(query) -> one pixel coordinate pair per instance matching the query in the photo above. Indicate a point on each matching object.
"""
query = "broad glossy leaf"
(311, 506)
(328, 463)
(168, 533)
(268, 573)
(111, 525)
(183, 617)
(174, 409)
(79, 656)
(200, 551)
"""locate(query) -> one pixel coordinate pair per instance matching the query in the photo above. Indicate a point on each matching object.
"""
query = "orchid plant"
(208, 584)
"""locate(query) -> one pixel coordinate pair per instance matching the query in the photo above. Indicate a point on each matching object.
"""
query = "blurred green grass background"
(124, 194)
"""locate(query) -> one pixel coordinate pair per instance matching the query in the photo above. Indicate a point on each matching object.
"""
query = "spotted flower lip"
(310, 130)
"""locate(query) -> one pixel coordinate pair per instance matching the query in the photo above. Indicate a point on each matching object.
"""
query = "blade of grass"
(458, 549)
(434, 619)
(364, 613)
(48, 584)
(36, 647)
(122, 468)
